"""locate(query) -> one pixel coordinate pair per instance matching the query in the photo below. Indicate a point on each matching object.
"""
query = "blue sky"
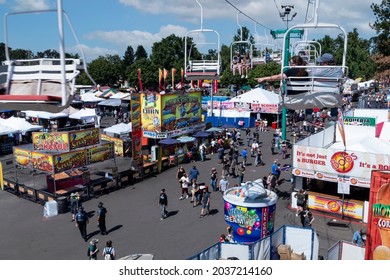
(109, 26)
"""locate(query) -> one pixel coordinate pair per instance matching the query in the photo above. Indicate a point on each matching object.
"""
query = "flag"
(160, 77)
(166, 73)
(340, 125)
(139, 79)
(200, 83)
(173, 77)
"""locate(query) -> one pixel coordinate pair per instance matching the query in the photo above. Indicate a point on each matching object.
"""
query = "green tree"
(168, 53)
(149, 74)
(140, 53)
(128, 57)
(21, 54)
(106, 70)
(382, 27)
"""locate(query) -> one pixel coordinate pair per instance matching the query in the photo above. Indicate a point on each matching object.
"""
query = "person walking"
(74, 204)
(163, 202)
(101, 218)
(194, 173)
(185, 184)
(273, 143)
(93, 249)
(109, 251)
(81, 222)
(301, 200)
(205, 203)
(233, 167)
(244, 154)
(180, 173)
(240, 173)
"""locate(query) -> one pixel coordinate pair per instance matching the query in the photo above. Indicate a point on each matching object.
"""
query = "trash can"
(62, 203)
(274, 125)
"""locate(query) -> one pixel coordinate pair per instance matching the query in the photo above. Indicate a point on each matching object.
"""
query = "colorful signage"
(22, 157)
(378, 227)
(41, 161)
(100, 153)
(356, 166)
(136, 133)
(50, 141)
(265, 108)
(250, 224)
(84, 138)
(118, 144)
(335, 206)
(360, 121)
(69, 160)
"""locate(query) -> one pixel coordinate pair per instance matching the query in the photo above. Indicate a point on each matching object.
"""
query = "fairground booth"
(248, 108)
(64, 158)
(166, 116)
(337, 175)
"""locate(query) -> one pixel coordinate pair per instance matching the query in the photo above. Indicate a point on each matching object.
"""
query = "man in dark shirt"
(163, 202)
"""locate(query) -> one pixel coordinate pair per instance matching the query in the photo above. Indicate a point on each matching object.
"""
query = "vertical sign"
(136, 133)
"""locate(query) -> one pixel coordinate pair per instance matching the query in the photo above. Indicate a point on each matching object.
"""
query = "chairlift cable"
(227, 1)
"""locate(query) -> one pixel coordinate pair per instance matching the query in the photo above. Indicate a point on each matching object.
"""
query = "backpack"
(108, 255)
(80, 217)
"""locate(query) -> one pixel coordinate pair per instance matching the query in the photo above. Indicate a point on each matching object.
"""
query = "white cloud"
(30, 5)
(92, 53)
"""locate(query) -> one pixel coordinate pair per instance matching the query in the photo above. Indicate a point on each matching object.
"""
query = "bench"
(37, 84)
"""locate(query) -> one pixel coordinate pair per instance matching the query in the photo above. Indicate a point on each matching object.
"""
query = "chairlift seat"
(37, 84)
(202, 69)
(312, 92)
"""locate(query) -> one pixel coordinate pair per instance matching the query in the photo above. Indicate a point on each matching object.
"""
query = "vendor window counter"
(149, 169)
(335, 205)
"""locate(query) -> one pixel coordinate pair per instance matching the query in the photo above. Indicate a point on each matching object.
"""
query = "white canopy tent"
(86, 114)
(120, 129)
(20, 124)
(119, 95)
(111, 102)
(5, 130)
(90, 97)
(257, 95)
(45, 115)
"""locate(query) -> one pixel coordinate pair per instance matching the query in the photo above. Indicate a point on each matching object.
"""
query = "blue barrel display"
(250, 210)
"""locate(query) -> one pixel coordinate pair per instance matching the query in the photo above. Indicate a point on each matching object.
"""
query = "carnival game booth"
(338, 177)
(64, 157)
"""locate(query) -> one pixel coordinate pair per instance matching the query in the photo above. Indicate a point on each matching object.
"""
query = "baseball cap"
(163, 190)
(326, 57)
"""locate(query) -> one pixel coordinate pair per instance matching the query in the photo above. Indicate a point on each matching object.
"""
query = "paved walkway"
(134, 223)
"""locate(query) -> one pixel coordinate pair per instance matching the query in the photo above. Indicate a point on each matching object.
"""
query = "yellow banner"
(51, 141)
(1, 176)
(42, 161)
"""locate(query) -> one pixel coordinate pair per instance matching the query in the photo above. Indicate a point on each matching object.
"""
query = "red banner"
(378, 227)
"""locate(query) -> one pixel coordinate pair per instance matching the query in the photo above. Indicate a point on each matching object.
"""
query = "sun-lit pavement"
(133, 218)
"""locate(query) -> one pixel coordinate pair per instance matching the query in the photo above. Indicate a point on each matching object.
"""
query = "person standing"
(301, 200)
(214, 179)
(93, 249)
(205, 203)
(109, 251)
(163, 202)
(223, 184)
(273, 143)
(240, 173)
(358, 237)
(101, 218)
(233, 167)
(81, 222)
(309, 219)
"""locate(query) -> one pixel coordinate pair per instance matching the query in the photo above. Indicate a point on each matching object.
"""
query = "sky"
(110, 26)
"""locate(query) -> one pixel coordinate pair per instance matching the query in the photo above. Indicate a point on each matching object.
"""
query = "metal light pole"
(286, 17)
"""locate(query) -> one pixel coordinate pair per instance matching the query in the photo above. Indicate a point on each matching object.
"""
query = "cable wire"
(227, 1)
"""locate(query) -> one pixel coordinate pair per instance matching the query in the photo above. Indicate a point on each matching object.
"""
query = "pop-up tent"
(260, 100)
(19, 124)
(120, 129)
(86, 114)
(5, 130)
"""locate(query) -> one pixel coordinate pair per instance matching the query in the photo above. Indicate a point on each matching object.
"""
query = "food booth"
(338, 177)
(168, 116)
(63, 156)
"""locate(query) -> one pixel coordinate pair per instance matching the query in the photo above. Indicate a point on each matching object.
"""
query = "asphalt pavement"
(133, 218)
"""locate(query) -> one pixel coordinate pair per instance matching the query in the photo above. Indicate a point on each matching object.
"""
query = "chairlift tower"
(277, 34)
